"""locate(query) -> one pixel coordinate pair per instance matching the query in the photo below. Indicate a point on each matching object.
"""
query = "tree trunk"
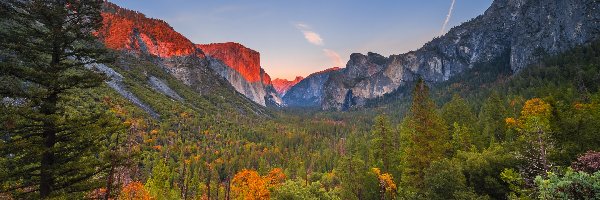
(227, 189)
(49, 134)
(208, 187)
(184, 182)
(47, 178)
(543, 153)
(109, 181)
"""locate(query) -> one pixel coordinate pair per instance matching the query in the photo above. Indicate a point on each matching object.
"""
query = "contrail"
(447, 17)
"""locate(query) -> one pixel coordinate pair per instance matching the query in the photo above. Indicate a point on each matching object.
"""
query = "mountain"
(132, 31)
(204, 67)
(521, 30)
(283, 85)
(241, 67)
(168, 61)
(309, 91)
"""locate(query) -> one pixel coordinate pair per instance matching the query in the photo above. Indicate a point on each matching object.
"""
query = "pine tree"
(458, 111)
(491, 118)
(54, 147)
(424, 135)
(384, 143)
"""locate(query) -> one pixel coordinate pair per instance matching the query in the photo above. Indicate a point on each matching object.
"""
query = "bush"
(588, 162)
(572, 185)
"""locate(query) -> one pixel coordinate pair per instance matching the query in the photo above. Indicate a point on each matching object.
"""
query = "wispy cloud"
(311, 36)
(447, 17)
(302, 26)
(334, 56)
(314, 38)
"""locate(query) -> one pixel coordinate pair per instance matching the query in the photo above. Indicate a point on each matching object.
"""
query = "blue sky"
(301, 37)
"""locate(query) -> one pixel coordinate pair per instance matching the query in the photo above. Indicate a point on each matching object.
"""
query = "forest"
(488, 133)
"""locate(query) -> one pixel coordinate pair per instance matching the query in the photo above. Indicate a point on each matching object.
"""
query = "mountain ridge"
(283, 85)
(512, 27)
(131, 31)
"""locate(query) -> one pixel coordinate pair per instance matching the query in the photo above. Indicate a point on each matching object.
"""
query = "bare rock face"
(283, 85)
(241, 59)
(222, 65)
(309, 91)
(256, 91)
(132, 31)
(523, 30)
(240, 66)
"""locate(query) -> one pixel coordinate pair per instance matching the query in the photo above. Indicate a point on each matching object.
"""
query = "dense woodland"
(488, 133)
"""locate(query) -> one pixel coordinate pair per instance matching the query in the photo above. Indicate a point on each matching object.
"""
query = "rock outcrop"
(283, 85)
(226, 63)
(129, 30)
(309, 91)
(240, 66)
(241, 59)
(520, 29)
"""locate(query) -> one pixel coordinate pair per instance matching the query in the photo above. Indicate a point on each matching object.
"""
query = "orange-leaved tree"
(135, 191)
(249, 185)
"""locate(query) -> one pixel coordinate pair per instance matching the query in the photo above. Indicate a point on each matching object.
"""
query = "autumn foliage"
(386, 184)
(249, 185)
(588, 162)
(135, 191)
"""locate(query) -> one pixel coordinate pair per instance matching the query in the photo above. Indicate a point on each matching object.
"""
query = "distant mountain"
(283, 85)
(309, 91)
(200, 66)
(522, 30)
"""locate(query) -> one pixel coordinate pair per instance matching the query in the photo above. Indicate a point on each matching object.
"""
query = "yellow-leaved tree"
(387, 186)
(534, 128)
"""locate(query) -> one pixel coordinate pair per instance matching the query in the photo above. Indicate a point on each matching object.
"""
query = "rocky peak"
(283, 85)
(240, 66)
(309, 91)
(129, 30)
(361, 65)
(240, 58)
(519, 30)
(328, 70)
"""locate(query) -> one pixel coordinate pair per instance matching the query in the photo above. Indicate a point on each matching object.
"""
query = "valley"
(103, 102)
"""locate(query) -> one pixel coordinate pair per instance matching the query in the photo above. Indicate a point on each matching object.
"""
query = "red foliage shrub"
(588, 162)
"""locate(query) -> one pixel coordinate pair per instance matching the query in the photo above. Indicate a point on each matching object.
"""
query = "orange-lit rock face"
(129, 30)
(266, 79)
(283, 85)
(244, 60)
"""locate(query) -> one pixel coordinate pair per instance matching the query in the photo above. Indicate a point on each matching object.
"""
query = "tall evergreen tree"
(458, 111)
(54, 147)
(491, 121)
(460, 120)
(425, 137)
(384, 143)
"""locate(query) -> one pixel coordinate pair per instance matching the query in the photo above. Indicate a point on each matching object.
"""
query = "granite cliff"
(523, 30)
(241, 67)
(203, 67)
(309, 91)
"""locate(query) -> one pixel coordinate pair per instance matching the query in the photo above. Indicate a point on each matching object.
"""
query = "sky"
(297, 38)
